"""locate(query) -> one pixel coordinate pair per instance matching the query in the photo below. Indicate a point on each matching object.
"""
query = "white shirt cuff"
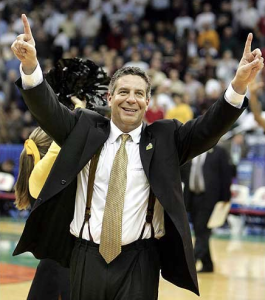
(233, 97)
(32, 80)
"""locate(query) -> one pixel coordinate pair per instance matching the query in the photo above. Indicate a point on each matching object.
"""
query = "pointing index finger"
(247, 48)
(25, 21)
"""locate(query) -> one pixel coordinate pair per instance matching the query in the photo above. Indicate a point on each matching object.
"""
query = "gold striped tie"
(111, 234)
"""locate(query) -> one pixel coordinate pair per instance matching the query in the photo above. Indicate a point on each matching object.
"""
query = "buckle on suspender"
(87, 213)
(149, 215)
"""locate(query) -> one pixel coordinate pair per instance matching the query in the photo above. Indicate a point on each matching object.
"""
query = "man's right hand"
(24, 48)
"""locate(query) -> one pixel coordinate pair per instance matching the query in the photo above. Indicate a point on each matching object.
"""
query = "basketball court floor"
(239, 269)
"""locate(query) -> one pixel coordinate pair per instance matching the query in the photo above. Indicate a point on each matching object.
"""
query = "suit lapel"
(147, 147)
(97, 137)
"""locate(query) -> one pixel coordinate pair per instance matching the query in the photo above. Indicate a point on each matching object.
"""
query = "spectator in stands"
(209, 182)
(182, 111)
(43, 44)
(14, 124)
(53, 21)
(137, 62)
(229, 41)
(164, 97)
(192, 86)
(155, 73)
(62, 40)
(115, 36)
(154, 111)
(7, 37)
(149, 42)
(189, 44)
(183, 22)
(224, 17)
(177, 86)
(248, 19)
(213, 89)
(177, 61)
(69, 27)
(205, 17)
(208, 68)
(167, 47)
(89, 27)
(208, 36)
(226, 67)
(7, 166)
(3, 25)
(12, 94)
(10, 61)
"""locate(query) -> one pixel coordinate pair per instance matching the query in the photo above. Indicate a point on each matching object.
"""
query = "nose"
(131, 98)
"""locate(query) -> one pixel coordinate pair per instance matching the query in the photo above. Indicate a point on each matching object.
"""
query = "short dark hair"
(130, 71)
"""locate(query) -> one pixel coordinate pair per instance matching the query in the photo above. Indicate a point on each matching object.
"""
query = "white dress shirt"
(137, 189)
(136, 196)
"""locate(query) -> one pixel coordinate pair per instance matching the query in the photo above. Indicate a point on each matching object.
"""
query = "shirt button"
(63, 182)
(40, 199)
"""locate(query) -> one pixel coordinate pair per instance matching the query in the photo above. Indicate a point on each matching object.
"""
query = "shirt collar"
(115, 132)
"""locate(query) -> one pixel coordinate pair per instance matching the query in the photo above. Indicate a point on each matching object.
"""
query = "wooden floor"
(239, 271)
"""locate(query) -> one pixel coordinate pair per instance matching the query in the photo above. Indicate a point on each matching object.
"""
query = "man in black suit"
(209, 182)
(154, 155)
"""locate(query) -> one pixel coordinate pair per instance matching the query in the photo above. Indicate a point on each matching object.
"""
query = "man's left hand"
(250, 64)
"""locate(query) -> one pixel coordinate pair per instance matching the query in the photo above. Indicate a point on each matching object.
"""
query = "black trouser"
(50, 282)
(200, 216)
(133, 275)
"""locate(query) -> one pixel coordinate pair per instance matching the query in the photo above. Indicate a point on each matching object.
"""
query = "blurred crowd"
(190, 49)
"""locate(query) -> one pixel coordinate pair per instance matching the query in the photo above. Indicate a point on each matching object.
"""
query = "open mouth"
(129, 110)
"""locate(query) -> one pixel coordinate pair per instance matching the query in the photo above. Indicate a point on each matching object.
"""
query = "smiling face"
(128, 102)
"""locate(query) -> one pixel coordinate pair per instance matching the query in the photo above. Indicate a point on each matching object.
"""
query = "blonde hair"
(26, 165)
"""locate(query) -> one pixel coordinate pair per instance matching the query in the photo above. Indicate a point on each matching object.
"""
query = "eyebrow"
(126, 89)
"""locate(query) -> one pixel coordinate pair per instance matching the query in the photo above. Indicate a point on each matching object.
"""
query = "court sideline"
(239, 265)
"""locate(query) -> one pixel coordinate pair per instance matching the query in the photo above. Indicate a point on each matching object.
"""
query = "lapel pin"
(149, 146)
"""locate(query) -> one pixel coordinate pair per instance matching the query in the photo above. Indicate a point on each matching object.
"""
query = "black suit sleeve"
(53, 117)
(201, 134)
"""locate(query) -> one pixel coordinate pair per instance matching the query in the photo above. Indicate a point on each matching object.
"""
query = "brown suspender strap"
(90, 187)
(150, 214)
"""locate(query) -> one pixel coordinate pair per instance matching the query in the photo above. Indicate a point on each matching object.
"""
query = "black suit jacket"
(217, 174)
(80, 133)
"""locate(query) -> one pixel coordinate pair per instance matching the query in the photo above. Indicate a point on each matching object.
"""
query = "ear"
(109, 97)
(147, 103)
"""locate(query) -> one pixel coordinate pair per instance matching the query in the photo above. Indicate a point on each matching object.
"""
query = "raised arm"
(53, 117)
(201, 134)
